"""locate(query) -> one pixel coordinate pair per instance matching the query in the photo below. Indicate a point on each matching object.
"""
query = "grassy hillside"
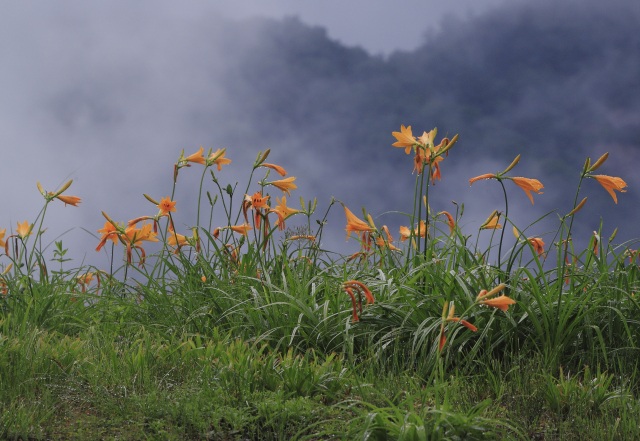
(247, 328)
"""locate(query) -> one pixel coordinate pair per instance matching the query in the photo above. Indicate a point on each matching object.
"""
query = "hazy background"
(108, 94)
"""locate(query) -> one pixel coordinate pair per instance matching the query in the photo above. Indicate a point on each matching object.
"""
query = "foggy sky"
(110, 96)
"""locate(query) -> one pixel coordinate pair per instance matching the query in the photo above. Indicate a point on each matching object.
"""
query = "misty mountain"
(553, 82)
(110, 99)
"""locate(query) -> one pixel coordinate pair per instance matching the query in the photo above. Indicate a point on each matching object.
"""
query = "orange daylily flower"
(349, 286)
(218, 158)
(354, 224)
(286, 184)
(484, 176)
(176, 239)
(427, 138)
(450, 221)
(381, 242)
(258, 201)
(166, 206)
(197, 157)
(611, 183)
(528, 185)
(109, 232)
(241, 229)
(2, 233)
(282, 211)
(85, 280)
(24, 229)
(421, 231)
(69, 200)
(404, 139)
(501, 302)
(133, 237)
(137, 235)
(538, 244)
(451, 318)
(280, 170)
(492, 222)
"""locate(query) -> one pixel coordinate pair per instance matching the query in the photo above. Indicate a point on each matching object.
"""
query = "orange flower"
(485, 176)
(404, 139)
(538, 244)
(381, 242)
(451, 318)
(176, 240)
(354, 224)
(611, 183)
(501, 302)
(197, 157)
(166, 206)
(85, 280)
(136, 236)
(405, 233)
(528, 185)
(133, 237)
(286, 184)
(70, 200)
(349, 286)
(421, 231)
(2, 233)
(241, 229)
(23, 229)
(280, 170)
(282, 211)
(109, 232)
(258, 201)
(450, 221)
(492, 222)
(218, 158)
(427, 138)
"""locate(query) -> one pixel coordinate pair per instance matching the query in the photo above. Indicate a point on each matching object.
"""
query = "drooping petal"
(611, 183)
(528, 185)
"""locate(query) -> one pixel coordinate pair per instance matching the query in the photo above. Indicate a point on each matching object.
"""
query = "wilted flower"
(538, 244)
(349, 286)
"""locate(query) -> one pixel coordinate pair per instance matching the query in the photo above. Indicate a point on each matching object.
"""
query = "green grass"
(265, 336)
